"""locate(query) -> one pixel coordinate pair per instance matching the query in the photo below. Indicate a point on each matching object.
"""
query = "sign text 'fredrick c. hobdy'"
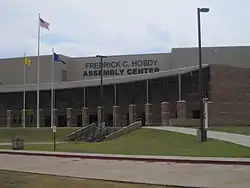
(121, 68)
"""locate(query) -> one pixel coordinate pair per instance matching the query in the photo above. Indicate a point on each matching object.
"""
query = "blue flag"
(58, 59)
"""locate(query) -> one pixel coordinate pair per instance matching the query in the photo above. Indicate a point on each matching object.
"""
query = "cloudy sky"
(89, 27)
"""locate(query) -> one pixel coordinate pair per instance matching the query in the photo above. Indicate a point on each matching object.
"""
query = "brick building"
(162, 86)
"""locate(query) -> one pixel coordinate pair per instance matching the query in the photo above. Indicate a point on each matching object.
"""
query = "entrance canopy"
(96, 82)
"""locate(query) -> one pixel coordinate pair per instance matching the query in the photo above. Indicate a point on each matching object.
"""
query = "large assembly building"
(162, 86)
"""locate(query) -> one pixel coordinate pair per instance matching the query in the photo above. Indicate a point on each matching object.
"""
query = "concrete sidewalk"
(243, 140)
(187, 175)
(31, 143)
(142, 158)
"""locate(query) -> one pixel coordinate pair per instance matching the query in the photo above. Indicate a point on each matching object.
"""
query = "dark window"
(196, 114)
(93, 118)
(14, 119)
(62, 121)
(110, 117)
(79, 120)
(47, 121)
(31, 118)
(19, 119)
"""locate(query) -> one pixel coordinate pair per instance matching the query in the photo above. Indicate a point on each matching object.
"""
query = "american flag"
(44, 24)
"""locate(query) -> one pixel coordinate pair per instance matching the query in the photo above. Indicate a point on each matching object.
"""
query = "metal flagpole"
(84, 95)
(52, 89)
(179, 86)
(24, 91)
(115, 93)
(38, 77)
(147, 92)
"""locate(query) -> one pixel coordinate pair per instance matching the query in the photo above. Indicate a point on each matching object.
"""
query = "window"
(31, 118)
(196, 114)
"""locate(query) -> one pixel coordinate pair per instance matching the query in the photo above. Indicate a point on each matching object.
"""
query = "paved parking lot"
(160, 173)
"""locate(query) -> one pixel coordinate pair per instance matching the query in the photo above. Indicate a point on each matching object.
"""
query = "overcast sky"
(89, 27)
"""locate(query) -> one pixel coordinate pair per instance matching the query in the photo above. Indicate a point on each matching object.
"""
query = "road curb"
(130, 158)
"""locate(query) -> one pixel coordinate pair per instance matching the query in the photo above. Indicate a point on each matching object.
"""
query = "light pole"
(101, 86)
(202, 132)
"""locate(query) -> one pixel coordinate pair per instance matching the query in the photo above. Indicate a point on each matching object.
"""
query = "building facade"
(152, 84)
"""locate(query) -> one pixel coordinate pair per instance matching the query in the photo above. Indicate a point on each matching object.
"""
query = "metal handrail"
(80, 133)
(102, 130)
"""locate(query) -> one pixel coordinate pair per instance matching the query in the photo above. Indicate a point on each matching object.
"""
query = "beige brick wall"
(230, 94)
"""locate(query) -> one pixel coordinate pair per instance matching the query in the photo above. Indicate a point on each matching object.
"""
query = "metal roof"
(96, 82)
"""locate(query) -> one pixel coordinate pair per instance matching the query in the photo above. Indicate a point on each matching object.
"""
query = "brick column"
(148, 114)
(99, 111)
(24, 117)
(132, 113)
(85, 116)
(116, 115)
(165, 113)
(69, 117)
(181, 109)
(9, 118)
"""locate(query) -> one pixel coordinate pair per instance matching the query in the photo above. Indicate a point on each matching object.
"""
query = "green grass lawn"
(232, 129)
(152, 142)
(34, 134)
(11, 179)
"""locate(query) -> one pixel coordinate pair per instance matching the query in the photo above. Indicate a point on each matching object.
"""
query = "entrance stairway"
(83, 133)
(92, 132)
(95, 133)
